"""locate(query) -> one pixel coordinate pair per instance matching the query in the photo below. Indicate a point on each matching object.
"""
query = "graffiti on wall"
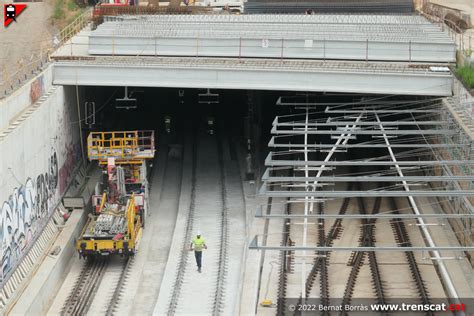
(36, 89)
(70, 152)
(23, 214)
(65, 173)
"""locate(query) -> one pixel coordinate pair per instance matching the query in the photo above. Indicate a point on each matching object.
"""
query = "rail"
(175, 293)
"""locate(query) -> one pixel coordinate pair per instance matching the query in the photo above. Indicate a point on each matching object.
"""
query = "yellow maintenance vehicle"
(118, 210)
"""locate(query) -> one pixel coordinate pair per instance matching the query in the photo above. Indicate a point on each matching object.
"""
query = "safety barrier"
(38, 62)
(124, 146)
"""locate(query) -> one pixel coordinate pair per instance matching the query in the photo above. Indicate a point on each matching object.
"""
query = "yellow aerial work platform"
(127, 147)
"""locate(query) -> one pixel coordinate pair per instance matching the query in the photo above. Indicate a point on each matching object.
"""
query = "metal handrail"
(25, 72)
(121, 145)
(74, 27)
(454, 32)
(11, 81)
(131, 218)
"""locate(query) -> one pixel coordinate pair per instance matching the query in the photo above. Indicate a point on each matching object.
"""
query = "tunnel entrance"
(283, 139)
(246, 116)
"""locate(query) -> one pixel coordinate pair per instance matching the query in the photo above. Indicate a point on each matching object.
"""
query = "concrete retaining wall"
(28, 94)
(39, 292)
(37, 158)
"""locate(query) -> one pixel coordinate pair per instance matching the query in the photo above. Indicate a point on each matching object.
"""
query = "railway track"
(210, 215)
(81, 296)
(224, 232)
(403, 240)
(187, 236)
(357, 258)
(322, 259)
(319, 270)
(98, 275)
(320, 262)
(115, 299)
(368, 239)
(286, 263)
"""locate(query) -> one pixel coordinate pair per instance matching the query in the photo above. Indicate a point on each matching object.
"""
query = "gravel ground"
(464, 5)
(23, 41)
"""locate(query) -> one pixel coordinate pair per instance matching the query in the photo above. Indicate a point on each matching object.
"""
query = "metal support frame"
(448, 282)
(272, 162)
(260, 214)
(254, 245)
(315, 131)
(376, 111)
(342, 194)
(274, 144)
(301, 187)
(374, 178)
(343, 138)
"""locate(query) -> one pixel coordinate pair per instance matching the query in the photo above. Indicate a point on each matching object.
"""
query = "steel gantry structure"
(409, 132)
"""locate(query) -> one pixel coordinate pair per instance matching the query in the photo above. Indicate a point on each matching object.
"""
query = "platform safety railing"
(124, 146)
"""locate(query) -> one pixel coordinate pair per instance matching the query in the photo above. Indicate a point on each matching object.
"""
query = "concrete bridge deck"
(345, 67)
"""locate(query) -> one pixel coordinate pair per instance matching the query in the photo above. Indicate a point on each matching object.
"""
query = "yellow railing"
(102, 203)
(123, 146)
(131, 218)
(75, 27)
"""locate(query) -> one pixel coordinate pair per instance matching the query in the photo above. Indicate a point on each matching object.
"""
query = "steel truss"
(381, 122)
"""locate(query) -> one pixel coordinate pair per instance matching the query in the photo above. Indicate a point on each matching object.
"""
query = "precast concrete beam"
(359, 37)
(253, 74)
(221, 45)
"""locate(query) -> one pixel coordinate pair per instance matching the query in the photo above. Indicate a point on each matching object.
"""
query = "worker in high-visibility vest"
(197, 244)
